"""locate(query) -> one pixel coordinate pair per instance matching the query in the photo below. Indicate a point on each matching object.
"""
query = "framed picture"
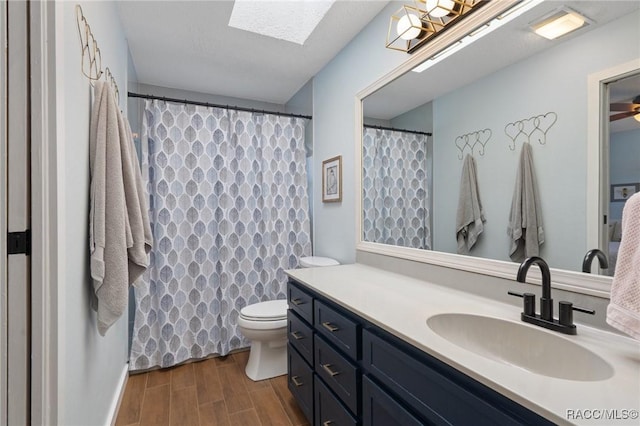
(622, 191)
(332, 180)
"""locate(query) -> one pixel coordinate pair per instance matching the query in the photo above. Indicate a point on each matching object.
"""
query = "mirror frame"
(598, 126)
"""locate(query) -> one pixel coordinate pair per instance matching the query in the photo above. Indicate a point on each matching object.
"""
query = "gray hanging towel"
(119, 231)
(525, 219)
(470, 215)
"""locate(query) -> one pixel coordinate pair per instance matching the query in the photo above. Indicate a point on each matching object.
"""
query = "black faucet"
(545, 319)
(588, 258)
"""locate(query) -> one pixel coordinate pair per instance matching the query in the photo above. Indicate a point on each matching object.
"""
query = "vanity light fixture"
(477, 34)
(562, 21)
(439, 8)
(413, 25)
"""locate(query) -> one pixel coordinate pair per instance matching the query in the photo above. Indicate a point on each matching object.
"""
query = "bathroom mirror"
(474, 96)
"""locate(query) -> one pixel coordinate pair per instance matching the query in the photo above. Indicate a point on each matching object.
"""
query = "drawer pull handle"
(327, 423)
(327, 368)
(296, 382)
(330, 326)
(297, 302)
(296, 335)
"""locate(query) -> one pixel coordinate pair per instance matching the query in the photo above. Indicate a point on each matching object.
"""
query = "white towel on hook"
(623, 311)
(525, 218)
(470, 215)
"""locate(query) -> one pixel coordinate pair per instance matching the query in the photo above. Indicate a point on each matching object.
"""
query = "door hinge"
(19, 242)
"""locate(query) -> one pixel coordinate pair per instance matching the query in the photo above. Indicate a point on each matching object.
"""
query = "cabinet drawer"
(337, 372)
(300, 336)
(380, 409)
(435, 391)
(329, 411)
(300, 381)
(339, 329)
(300, 301)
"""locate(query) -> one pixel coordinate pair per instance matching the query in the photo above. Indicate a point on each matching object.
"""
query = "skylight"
(292, 21)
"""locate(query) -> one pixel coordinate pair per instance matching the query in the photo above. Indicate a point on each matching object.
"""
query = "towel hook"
(470, 140)
(531, 129)
(91, 64)
(110, 79)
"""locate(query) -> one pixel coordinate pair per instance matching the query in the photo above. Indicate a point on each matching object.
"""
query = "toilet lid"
(265, 311)
(313, 261)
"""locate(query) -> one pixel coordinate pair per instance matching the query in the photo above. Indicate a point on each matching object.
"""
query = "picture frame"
(332, 180)
(622, 191)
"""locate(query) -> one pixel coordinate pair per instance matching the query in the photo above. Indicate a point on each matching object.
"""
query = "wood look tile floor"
(212, 392)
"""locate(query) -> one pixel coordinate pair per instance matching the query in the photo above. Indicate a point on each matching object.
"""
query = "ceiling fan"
(631, 109)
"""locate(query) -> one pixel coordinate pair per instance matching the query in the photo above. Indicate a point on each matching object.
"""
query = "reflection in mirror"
(395, 186)
(488, 100)
(624, 155)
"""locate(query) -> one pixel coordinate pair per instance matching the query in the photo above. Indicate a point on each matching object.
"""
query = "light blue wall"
(359, 64)
(90, 366)
(554, 80)
(561, 74)
(625, 164)
(419, 118)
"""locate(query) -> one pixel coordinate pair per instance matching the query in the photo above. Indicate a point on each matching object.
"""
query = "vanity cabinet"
(361, 374)
(324, 346)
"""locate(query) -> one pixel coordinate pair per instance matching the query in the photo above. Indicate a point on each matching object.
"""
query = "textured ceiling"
(189, 45)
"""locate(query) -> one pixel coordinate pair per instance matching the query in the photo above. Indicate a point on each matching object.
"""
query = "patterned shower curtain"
(394, 188)
(229, 213)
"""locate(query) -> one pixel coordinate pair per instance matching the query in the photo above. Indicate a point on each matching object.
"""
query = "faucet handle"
(529, 302)
(566, 312)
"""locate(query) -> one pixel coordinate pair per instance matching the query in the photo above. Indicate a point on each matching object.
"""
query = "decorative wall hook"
(110, 79)
(470, 140)
(533, 129)
(91, 65)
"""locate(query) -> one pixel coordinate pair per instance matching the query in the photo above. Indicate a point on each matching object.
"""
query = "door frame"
(45, 215)
(3, 210)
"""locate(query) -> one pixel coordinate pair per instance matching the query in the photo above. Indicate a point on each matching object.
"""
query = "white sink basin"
(532, 349)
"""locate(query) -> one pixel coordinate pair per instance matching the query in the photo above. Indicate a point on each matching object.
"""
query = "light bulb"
(409, 27)
(439, 8)
(637, 117)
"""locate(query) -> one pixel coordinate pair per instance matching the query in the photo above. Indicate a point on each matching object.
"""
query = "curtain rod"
(207, 104)
(416, 132)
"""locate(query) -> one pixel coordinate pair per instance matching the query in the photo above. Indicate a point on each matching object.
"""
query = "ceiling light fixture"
(560, 22)
(413, 25)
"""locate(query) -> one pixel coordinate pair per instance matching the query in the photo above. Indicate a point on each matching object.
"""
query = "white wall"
(358, 65)
(91, 367)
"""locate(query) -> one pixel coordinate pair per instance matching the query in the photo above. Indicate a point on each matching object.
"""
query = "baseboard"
(117, 400)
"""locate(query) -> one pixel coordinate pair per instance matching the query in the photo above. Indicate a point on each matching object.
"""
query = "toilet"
(265, 324)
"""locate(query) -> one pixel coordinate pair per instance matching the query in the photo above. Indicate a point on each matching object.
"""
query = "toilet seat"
(317, 261)
(270, 311)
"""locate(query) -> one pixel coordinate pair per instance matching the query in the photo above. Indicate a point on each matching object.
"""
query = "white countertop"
(401, 305)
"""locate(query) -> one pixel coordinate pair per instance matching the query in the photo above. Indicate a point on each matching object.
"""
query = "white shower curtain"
(395, 198)
(229, 212)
